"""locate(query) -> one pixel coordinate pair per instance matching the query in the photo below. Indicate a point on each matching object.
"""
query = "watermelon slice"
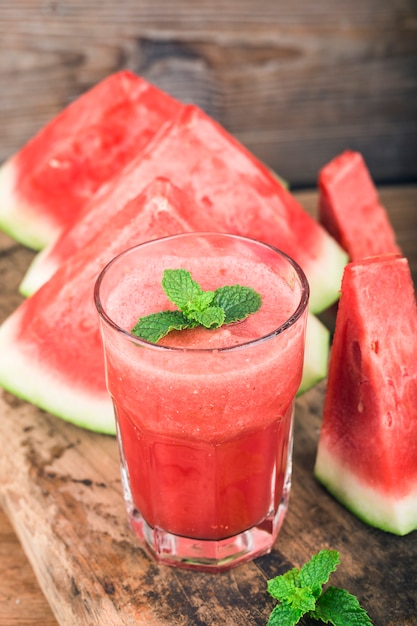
(50, 348)
(367, 451)
(349, 208)
(233, 189)
(47, 183)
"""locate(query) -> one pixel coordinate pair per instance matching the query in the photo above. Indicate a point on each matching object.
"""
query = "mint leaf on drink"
(185, 292)
(299, 592)
(155, 326)
(237, 302)
(211, 317)
(196, 307)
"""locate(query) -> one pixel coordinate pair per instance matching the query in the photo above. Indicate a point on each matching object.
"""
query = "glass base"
(208, 555)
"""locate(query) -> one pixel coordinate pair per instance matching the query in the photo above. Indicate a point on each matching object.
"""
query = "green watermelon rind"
(38, 273)
(388, 512)
(21, 222)
(316, 356)
(325, 278)
(23, 375)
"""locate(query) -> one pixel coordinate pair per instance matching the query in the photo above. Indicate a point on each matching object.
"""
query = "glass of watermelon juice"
(204, 417)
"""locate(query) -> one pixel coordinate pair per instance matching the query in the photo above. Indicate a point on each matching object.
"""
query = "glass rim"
(290, 321)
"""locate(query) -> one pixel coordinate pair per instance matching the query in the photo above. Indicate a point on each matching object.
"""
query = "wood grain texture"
(296, 82)
(60, 487)
(21, 601)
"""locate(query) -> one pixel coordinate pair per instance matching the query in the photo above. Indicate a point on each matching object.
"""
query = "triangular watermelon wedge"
(230, 187)
(350, 209)
(45, 185)
(367, 451)
(50, 347)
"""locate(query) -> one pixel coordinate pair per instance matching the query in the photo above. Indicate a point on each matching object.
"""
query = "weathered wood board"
(60, 487)
(297, 82)
(21, 601)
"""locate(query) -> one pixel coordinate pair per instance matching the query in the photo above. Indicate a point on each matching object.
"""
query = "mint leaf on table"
(286, 589)
(299, 592)
(312, 576)
(285, 615)
(316, 572)
(196, 307)
(340, 608)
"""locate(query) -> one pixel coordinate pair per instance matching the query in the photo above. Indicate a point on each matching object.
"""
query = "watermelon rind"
(316, 355)
(17, 218)
(388, 512)
(38, 273)
(325, 278)
(46, 388)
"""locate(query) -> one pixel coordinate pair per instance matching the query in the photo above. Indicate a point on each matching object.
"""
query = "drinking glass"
(205, 417)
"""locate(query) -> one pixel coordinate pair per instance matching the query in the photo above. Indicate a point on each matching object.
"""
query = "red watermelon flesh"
(50, 347)
(349, 208)
(230, 187)
(367, 451)
(47, 183)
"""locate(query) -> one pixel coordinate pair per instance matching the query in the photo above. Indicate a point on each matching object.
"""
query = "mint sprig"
(196, 307)
(299, 592)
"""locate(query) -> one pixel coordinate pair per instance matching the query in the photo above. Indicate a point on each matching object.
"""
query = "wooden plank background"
(297, 82)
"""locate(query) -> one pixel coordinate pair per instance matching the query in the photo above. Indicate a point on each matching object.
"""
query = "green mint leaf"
(210, 309)
(211, 317)
(237, 302)
(316, 572)
(201, 302)
(287, 589)
(156, 325)
(340, 608)
(284, 615)
(300, 593)
(313, 575)
(303, 600)
(182, 290)
(283, 587)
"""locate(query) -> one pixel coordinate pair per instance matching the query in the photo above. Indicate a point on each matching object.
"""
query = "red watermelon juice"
(204, 417)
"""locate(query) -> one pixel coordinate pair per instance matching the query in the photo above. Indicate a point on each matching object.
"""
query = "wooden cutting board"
(61, 488)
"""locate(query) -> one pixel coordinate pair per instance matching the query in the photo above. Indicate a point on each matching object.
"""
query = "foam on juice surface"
(218, 391)
(140, 293)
